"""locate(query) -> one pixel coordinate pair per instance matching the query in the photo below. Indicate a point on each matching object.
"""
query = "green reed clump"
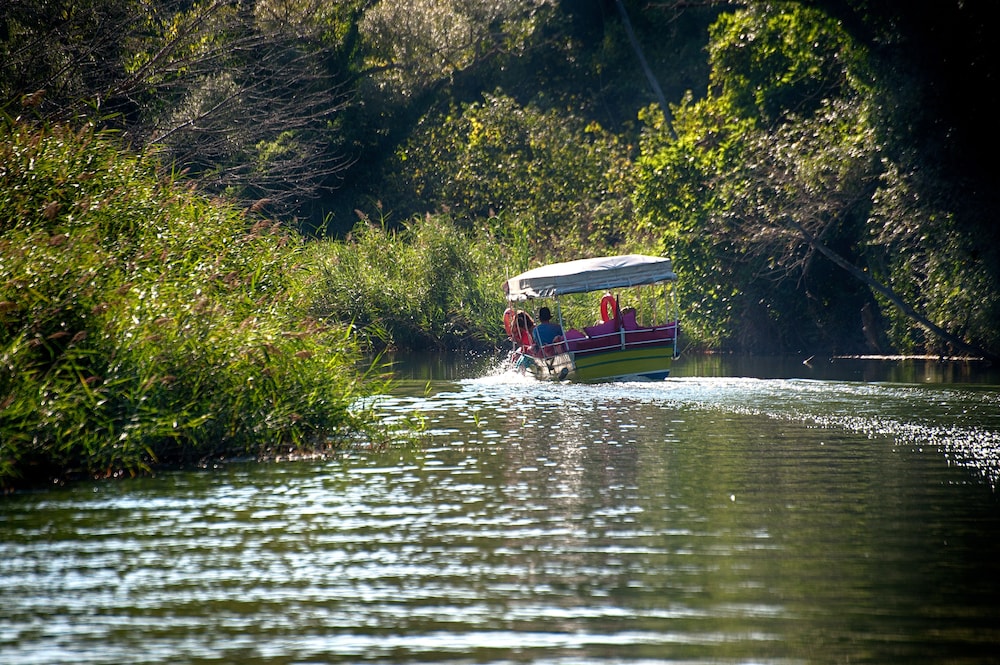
(427, 285)
(141, 324)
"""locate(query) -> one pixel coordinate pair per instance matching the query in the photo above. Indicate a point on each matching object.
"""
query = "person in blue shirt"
(546, 332)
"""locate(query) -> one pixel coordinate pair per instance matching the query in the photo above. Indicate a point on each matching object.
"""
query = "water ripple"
(690, 520)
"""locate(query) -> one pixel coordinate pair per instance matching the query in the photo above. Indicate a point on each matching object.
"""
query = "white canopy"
(583, 275)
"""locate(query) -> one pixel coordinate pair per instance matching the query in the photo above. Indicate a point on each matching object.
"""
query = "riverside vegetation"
(214, 213)
(143, 324)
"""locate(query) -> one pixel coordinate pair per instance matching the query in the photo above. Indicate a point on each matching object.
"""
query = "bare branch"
(889, 294)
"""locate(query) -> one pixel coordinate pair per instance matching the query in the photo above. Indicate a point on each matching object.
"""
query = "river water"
(744, 511)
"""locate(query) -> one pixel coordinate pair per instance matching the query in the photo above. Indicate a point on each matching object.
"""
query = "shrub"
(141, 324)
(427, 285)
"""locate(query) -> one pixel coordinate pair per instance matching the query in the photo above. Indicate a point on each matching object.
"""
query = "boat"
(616, 348)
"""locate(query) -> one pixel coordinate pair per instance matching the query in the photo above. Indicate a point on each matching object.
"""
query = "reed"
(142, 324)
(429, 284)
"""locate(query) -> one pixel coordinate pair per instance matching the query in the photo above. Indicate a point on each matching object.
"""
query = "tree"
(62, 58)
(414, 45)
(674, 197)
(808, 184)
(770, 63)
(241, 93)
(554, 178)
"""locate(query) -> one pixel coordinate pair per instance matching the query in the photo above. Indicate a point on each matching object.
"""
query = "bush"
(428, 285)
(141, 324)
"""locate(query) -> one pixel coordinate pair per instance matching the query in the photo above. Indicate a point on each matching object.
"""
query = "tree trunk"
(891, 296)
(653, 83)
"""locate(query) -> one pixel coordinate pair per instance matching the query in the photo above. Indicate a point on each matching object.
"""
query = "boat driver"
(546, 332)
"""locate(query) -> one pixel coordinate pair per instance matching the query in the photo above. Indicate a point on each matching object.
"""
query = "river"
(743, 511)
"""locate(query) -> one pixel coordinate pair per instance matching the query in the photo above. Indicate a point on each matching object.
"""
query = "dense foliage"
(558, 179)
(789, 193)
(429, 284)
(243, 95)
(142, 324)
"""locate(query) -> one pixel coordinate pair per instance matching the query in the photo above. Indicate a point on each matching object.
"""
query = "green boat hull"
(646, 363)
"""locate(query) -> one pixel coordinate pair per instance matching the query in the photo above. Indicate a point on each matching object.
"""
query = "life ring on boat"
(609, 307)
(508, 320)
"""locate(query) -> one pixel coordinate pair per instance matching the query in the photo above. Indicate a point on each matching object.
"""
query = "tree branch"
(889, 294)
(653, 83)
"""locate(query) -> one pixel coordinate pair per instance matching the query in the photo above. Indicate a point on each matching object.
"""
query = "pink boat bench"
(607, 335)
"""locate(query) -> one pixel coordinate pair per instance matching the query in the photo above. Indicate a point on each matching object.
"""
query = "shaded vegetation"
(428, 284)
(799, 140)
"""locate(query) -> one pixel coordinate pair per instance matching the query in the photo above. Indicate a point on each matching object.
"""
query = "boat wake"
(962, 423)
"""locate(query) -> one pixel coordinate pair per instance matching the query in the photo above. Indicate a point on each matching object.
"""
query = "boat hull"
(644, 364)
(648, 363)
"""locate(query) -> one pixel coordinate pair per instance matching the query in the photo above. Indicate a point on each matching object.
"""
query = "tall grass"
(141, 324)
(427, 285)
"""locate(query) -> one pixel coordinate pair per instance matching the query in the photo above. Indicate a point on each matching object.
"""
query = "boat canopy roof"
(584, 275)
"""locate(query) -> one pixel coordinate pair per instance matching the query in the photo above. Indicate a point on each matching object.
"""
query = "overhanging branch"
(890, 295)
(653, 83)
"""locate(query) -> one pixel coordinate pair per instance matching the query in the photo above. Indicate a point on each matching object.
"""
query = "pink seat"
(605, 328)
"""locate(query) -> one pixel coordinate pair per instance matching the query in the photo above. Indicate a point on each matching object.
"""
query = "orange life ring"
(508, 320)
(609, 307)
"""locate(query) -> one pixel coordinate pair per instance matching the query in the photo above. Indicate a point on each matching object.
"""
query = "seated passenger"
(546, 332)
(521, 331)
(629, 319)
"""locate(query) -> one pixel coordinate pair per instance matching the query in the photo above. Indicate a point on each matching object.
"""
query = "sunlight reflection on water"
(961, 422)
(697, 520)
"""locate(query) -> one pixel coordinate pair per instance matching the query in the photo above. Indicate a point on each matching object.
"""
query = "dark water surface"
(818, 514)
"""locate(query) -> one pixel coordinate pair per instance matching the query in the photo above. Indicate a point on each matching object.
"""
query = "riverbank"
(143, 325)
